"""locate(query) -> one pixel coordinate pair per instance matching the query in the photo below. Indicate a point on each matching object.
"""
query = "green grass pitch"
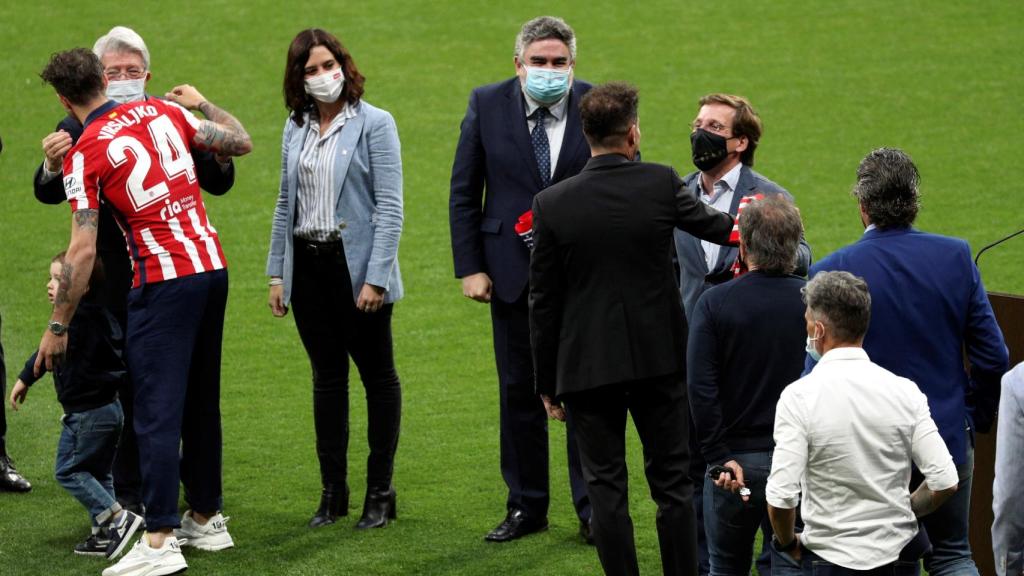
(831, 81)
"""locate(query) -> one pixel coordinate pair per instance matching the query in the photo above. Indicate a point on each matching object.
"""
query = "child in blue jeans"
(87, 381)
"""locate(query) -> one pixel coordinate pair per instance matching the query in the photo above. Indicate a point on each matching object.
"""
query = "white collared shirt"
(315, 199)
(554, 126)
(721, 200)
(845, 436)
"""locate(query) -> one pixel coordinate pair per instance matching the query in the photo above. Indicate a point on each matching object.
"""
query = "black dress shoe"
(516, 525)
(378, 508)
(10, 479)
(586, 532)
(333, 503)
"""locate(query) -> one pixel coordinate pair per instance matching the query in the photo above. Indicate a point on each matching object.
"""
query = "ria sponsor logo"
(172, 209)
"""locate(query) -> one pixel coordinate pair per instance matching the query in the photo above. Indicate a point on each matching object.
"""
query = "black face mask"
(709, 149)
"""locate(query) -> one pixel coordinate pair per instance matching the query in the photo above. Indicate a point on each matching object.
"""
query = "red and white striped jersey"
(137, 157)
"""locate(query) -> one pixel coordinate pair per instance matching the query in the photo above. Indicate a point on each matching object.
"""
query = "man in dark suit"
(607, 329)
(518, 137)
(125, 61)
(928, 305)
(746, 344)
(723, 139)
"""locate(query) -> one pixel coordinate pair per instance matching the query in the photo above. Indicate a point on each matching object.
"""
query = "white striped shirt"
(315, 200)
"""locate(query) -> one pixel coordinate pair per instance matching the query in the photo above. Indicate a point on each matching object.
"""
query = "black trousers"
(331, 330)
(524, 422)
(661, 415)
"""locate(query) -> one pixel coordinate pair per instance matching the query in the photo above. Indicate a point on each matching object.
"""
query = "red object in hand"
(740, 268)
(524, 228)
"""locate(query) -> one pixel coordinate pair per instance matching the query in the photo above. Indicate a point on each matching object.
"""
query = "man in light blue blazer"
(928, 305)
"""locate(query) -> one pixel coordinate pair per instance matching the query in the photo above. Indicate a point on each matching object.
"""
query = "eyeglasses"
(711, 126)
(132, 73)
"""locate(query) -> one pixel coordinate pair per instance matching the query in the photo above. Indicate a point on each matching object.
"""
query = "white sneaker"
(211, 536)
(142, 560)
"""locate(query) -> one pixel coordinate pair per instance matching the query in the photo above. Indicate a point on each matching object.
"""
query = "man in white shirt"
(1007, 500)
(846, 436)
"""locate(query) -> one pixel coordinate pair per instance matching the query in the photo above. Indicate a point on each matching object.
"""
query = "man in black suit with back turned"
(125, 60)
(607, 327)
(518, 137)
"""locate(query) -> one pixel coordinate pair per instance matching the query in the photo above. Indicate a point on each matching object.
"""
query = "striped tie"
(541, 149)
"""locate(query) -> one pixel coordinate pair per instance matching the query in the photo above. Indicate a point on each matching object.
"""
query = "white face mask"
(327, 86)
(122, 91)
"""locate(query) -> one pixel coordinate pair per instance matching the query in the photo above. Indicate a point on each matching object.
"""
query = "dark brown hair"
(295, 97)
(607, 111)
(75, 74)
(745, 122)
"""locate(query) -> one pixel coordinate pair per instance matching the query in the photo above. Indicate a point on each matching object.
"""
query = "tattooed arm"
(220, 132)
(74, 280)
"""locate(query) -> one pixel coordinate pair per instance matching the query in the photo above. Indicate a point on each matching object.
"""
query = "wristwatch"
(788, 547)
(57, 328)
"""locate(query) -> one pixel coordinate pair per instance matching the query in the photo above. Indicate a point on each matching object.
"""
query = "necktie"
(541, 149)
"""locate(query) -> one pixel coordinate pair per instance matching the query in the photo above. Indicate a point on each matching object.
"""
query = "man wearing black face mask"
(725, 135)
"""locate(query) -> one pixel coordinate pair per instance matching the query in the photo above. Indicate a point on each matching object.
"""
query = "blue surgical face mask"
(811, 350)
(547, 85)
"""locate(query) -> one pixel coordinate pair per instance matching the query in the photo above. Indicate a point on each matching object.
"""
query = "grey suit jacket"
(694, 276)
(369, 201)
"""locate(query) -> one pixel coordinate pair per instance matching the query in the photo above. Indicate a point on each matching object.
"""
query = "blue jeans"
(730, 523)
(85, 454)
(948, 526)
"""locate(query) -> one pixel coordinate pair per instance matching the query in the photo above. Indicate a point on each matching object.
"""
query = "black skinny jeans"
(331, 330)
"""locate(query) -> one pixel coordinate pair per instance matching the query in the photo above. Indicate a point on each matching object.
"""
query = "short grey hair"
(770, 230)
(121, 39)
(887, 188)
(841, 302)
(542, 28)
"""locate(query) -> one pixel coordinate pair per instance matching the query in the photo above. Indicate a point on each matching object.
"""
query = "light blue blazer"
(369, 201)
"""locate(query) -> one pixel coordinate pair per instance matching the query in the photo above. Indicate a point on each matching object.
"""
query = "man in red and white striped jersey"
(136, 157)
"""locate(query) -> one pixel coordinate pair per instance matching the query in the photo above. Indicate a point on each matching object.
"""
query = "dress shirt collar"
(845, 353)
(557, 109)
(337, 122)
(730, 180)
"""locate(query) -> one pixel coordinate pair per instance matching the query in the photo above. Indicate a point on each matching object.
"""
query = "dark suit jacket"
(110, 243)
(494, 152)
(928, 305)
(694, 276)
(604, 307)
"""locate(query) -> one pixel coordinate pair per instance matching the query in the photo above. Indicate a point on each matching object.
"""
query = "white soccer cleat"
(211, 536)
(142, 560)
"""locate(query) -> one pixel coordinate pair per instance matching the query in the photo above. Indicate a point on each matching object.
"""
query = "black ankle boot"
(333, 503)
(10, 479)
(378, 508)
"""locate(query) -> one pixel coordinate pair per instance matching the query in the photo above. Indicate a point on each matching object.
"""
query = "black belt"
(319, 248)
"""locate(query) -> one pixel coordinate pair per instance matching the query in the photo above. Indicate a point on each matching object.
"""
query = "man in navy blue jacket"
(518, 137)
(746, 344)
(928, 305)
